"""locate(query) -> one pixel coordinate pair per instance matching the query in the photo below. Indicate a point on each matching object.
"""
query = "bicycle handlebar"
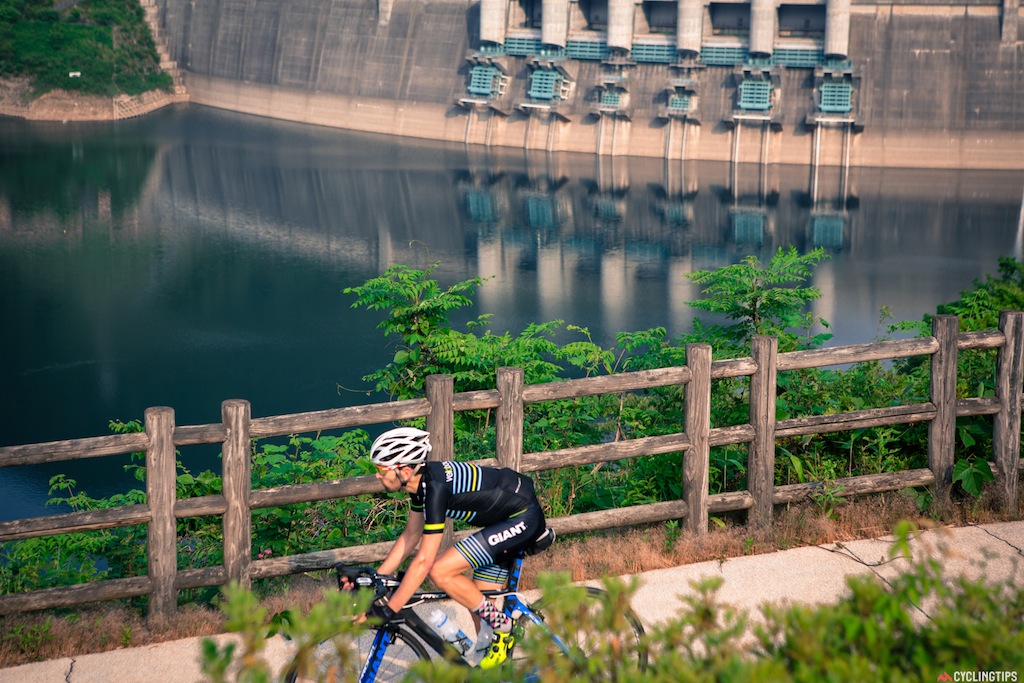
(367, 577)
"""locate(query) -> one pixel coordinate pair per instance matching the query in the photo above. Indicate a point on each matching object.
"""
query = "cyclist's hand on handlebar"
(382, 613)
(352, 578)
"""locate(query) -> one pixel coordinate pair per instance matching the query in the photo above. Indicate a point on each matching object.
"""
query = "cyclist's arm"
(417, 572)
(405, 545)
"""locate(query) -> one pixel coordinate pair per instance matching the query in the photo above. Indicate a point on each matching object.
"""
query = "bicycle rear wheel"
(602, 653)
(396, 660)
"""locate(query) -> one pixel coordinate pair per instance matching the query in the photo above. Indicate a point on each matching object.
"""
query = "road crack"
(845, 552)
(1019, 551)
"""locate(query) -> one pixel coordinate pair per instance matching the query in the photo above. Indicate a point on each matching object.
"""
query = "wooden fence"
(237, 501)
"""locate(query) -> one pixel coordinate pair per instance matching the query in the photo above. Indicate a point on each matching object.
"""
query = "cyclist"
(501, 501)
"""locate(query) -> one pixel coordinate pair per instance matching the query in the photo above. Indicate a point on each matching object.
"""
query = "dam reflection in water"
(195, 256)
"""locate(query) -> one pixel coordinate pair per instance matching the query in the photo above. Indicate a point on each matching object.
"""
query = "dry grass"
(49, 635)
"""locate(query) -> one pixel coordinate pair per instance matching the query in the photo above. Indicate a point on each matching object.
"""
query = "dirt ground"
(60, 105)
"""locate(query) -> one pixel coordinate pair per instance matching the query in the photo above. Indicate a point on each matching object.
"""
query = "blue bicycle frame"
(381, 641)
(513, 606)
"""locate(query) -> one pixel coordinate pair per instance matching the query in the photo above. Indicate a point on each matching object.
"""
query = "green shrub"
(877, 632)
(330, 619)
(106, 41)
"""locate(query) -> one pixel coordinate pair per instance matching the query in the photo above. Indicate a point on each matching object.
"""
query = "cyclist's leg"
(490, 552)
(449, 573)
(491, 577)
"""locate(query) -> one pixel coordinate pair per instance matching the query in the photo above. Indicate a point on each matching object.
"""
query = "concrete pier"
(762, 28)
(555, 24)
(620, 24)
(689, 26)
(837, 29)
(492, 20)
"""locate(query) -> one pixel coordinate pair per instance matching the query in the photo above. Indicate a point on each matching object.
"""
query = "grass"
(105, 42)
(67, 633)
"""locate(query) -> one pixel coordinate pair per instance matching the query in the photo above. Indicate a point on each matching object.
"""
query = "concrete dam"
(885, 83)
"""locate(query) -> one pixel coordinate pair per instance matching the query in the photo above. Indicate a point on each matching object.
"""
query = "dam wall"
(925, 84)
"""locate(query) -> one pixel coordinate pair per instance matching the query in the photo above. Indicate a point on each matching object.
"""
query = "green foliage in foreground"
(331, 619)
(106, 41)
(914, 628)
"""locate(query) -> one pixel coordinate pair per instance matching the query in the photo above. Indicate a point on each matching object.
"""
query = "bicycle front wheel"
(585, 642)
(391, 664)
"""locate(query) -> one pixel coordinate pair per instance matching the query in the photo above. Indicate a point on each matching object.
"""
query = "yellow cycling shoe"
(498, 652)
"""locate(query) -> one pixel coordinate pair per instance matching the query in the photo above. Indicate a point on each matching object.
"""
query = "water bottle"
(483, 639)
(450, 631)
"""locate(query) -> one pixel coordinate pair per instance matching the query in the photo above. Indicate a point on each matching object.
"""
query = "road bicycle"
(388, 652)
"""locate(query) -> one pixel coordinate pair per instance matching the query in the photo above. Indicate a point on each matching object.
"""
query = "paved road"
(814, 574)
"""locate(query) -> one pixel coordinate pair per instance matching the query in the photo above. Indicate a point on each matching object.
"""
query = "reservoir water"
(194, 256)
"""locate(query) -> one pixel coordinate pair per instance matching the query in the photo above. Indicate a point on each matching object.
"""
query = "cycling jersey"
(501, 500)
(479, 495)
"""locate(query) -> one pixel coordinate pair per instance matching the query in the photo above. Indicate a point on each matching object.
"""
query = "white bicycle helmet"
(400, 446)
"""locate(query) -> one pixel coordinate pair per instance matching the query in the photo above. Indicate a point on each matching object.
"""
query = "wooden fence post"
(440, 391)
(509, 421)
(162, 534)
(441, 421)
(698, 431)
(942, 428)
(237, 476)
(761, 451)
(1006, 427)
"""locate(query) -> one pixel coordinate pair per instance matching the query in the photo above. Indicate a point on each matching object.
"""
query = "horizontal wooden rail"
(858, 419)
(987, 339)
(200, 506)
(340, 418)
(476, 400)
(736, 367)
(72, 522)
(604, 452)
(855, 486)
(857, 353)
(194, 435)
(323, 490)
(74, 449)
(237, 501)
(969, 407)
(200, 578)
(69, 596)
(606, 384)
(725, 436)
